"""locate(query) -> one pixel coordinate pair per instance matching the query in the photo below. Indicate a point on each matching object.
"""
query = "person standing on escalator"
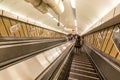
(78, 44)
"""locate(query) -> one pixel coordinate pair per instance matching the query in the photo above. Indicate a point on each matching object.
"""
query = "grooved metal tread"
(82, 69)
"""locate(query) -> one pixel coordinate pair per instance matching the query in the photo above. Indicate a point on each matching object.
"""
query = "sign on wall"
(15, 28)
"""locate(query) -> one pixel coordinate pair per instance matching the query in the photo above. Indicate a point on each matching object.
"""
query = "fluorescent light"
(61, 24)
(73, 3)
(4, 8)
(55, 19)
(75, 21)
(36, 21)
(17, 14)
(115, 3)
(61, 6)
(50, 15)
(76, 30)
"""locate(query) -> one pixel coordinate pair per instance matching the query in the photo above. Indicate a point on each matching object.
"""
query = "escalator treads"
(82, 69)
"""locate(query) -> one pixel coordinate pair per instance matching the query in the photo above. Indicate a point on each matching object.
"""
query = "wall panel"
(16, 28)
(103, 40)
(3, 30)
(8, 26)
(16, 32)
(25, 29)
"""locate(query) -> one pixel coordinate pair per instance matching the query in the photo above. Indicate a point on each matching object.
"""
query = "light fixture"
(55, 19)
(73, 3)
(50, 15)
(33, 20)
(76, 30)
(75, 21)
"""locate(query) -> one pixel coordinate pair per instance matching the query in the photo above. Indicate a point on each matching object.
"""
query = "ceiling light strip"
(55, 19)
(73, 3)
(74, 14)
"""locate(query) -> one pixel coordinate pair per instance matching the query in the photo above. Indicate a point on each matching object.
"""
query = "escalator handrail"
(107, 60)
(60, 68)
(43, 74)
(16, 60)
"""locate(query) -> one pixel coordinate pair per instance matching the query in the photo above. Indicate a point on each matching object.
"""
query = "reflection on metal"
(31, 68)
(116, 38)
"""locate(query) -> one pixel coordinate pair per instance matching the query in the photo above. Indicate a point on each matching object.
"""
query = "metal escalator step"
(77, 64)
(77, 57)
(83, 68)
(81, 76)
(80, 71)
(81, 62)
(70, 78)
(81, 57)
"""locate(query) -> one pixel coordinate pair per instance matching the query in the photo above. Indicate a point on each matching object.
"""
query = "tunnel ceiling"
(87, 12)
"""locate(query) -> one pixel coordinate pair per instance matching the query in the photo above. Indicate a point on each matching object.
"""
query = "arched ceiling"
(87, 12)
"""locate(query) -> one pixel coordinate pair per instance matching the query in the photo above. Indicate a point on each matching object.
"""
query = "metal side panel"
(109, 70)
(10, 54)
(31, 68)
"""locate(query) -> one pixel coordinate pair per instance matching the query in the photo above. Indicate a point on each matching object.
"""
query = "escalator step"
(80, 71)
(81, 77)
(82, 65)
(84, 60)
(81, 62)
(83, 68)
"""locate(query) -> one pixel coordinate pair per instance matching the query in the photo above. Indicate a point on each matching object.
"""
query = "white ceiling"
(87, 12)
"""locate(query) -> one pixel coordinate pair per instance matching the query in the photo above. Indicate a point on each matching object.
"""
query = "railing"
(108, 67)
(54, 71)
(14, 50)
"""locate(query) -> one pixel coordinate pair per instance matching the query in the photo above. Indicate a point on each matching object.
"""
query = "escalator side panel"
(9, 55)
(108, 69)
(82, 68)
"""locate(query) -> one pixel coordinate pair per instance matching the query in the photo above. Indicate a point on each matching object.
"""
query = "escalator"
(75, 66)
(82, 68)
(14, 49)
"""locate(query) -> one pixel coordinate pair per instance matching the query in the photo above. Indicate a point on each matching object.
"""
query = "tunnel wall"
(113, 13)
(103, 40)
(14, 26)
(102, 44)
